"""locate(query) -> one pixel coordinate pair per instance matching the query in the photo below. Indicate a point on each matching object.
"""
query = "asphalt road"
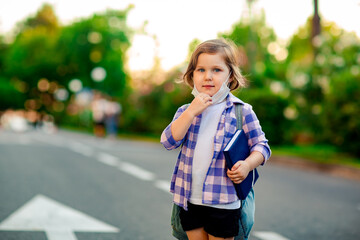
(118, 189)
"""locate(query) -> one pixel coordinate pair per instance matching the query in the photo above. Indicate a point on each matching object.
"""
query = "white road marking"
(114, 161)
(108, 159)
(24, 140)
(136, 171)
(57, 220)
(81, 148)
(60, 235)
(21, 141)
(268, 236)
(133, 170)
(163, 185)
(53, 141)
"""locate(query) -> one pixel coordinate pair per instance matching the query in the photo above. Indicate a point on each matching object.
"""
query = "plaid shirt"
(217, 188)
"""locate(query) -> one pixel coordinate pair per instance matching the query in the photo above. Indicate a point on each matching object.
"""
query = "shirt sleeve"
(255, 135)
(167, 139)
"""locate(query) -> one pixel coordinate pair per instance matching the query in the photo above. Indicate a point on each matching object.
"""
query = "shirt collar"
(231, 99)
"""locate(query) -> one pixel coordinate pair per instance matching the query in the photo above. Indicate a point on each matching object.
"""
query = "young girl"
(201, 184)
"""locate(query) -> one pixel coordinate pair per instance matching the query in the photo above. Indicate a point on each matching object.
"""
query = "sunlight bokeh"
(176, 23)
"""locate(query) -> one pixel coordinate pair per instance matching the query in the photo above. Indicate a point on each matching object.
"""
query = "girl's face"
(210, 73)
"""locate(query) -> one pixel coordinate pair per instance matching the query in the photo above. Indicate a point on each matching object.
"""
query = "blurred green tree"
(32, 56)
(45, 57)
(94, 51)
(323, 75)
(261, 60)
(10, 97)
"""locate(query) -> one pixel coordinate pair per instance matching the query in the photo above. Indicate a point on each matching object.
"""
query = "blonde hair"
(229, 51)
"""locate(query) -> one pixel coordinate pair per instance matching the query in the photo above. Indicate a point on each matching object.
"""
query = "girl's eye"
(201, 70)
(217, 70)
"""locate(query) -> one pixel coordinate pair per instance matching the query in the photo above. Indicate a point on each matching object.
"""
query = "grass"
(140, 137)
(326, 154)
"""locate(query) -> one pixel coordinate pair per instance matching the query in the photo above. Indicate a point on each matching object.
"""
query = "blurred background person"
(112, 116)
(98, 107)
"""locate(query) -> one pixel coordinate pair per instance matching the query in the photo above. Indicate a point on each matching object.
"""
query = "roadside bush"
(10, 97)
(269, 109)
(342, 113)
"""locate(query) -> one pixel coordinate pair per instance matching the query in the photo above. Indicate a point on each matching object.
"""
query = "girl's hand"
(199, 104)
(239, 171)
(181, 125)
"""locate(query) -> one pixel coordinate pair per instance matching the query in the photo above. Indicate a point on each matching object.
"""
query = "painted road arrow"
(57, 220)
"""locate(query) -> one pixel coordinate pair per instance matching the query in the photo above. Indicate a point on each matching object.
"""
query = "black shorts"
(215, 221)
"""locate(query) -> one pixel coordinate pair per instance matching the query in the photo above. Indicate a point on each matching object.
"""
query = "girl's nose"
(208, 75)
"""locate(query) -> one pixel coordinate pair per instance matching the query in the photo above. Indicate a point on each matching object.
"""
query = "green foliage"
(45, 52)
(341, 113)
(252, 40)
(151, 112)
(32, 56)
(100, 41)
(45, 17)
(261, 68)
(269, 109)
(324, 80)
(320, 153)
(10, 97)
(192, 46)
(303, 91)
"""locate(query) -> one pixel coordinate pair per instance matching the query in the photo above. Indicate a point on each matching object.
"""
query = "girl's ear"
(230, 81)
(191, 83)
(231, 78)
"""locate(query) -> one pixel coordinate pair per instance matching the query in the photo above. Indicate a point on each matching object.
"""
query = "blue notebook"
(238, 149)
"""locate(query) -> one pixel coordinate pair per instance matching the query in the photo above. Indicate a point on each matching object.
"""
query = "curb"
(330, 169)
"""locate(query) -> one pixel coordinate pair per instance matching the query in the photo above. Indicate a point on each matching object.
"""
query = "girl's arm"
(259, 148)
(241, 169)
(181, 125)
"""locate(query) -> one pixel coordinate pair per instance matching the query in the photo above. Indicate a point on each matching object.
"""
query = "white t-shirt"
(203, 154)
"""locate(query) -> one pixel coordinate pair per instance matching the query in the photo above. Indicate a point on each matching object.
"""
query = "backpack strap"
(186, 106)
(238, 113)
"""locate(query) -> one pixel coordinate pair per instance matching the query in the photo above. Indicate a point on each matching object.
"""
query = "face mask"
(195, 92)
(220, 95)
(222, 92)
